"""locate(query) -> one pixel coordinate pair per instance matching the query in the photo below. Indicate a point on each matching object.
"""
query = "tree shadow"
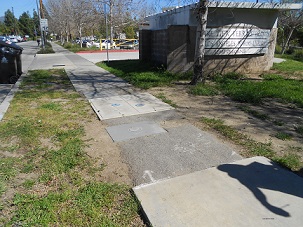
(256, 176)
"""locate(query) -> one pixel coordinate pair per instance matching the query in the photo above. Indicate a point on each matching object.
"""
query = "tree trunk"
(287, 41)
(200, 44)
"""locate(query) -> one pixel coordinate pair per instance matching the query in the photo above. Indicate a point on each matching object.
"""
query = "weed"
(283, 136)
(51, 106)
(278, 122)
(254, 113)
(164, 99)
(28, 184)
(8, 168)
(272, 77)
(254, 148)
(204, 90)
(299, 129)
(2, 189)
(290, 161)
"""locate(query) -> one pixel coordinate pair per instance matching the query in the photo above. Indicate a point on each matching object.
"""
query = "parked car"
(105, 44)
(130, 45)
(96, 43)
(19, 38)
(3, 38)
(13, 39)
(86, 43)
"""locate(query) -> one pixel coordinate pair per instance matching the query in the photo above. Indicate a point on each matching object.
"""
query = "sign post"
(44, 25)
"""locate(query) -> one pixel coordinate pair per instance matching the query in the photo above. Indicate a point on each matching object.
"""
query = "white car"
(13, 39)
(105, 44)
(19, 38)
(96, 44)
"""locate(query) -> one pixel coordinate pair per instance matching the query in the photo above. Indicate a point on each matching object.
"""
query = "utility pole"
(39, 15)
(42, 17)
(41, 9)
(106, 40)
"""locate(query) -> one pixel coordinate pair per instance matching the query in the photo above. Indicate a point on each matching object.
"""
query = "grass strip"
(253, 148)
(44, 164)
(141, 74)
(254, 92)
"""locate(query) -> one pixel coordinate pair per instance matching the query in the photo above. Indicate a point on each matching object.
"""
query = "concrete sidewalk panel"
(183, 150)
(146, 103)
(250, 192)
(92, 90)
(111, 107)
(127, 105)
(51, 61)
(134, 130)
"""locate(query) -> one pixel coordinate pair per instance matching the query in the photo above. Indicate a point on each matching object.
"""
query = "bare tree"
(290, 20)
(70, 17)
(202, 11)
(57, 11)
(116, 12)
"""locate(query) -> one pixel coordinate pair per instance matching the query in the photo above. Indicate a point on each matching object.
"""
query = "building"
(240, 37)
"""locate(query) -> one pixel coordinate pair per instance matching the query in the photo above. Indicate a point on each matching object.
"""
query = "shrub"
(278, 49)
(47, 50)
(290, 50)
(298, 55)
(67, 45)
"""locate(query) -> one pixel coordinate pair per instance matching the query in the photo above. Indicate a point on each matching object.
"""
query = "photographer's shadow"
(272, 177)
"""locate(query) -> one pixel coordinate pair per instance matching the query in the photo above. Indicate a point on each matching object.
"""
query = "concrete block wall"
(174, 48)
(181, 48)
(159, 45)
(145, 45)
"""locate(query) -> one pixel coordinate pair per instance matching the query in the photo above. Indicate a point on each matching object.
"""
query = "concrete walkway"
(183, 176)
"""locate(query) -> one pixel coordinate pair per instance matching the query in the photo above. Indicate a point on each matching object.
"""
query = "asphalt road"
(111, 56)
(30, 49)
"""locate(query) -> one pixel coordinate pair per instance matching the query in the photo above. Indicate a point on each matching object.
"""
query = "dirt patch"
(276, 118)
(105, 152)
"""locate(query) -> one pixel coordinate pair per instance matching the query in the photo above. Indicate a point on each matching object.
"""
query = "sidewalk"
(183, 176)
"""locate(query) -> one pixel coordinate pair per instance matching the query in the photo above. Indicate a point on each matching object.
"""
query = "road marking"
(149, 174)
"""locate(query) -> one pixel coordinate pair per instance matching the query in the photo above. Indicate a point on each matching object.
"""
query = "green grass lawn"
(273, 86)
(52, 183)
(141, 74)
(289, 65)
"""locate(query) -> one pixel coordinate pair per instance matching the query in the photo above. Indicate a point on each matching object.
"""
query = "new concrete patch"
(127, 105)
(129, 131)
(250, 192)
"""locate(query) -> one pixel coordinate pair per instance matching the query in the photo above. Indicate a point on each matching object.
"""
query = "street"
(112, 55)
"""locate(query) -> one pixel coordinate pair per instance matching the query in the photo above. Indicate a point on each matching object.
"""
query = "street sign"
(44, 24)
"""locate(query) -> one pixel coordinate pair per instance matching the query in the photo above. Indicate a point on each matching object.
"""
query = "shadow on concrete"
(256, 176)
(98, 85)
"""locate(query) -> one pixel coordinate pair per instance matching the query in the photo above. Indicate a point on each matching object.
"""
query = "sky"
(21, 6)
